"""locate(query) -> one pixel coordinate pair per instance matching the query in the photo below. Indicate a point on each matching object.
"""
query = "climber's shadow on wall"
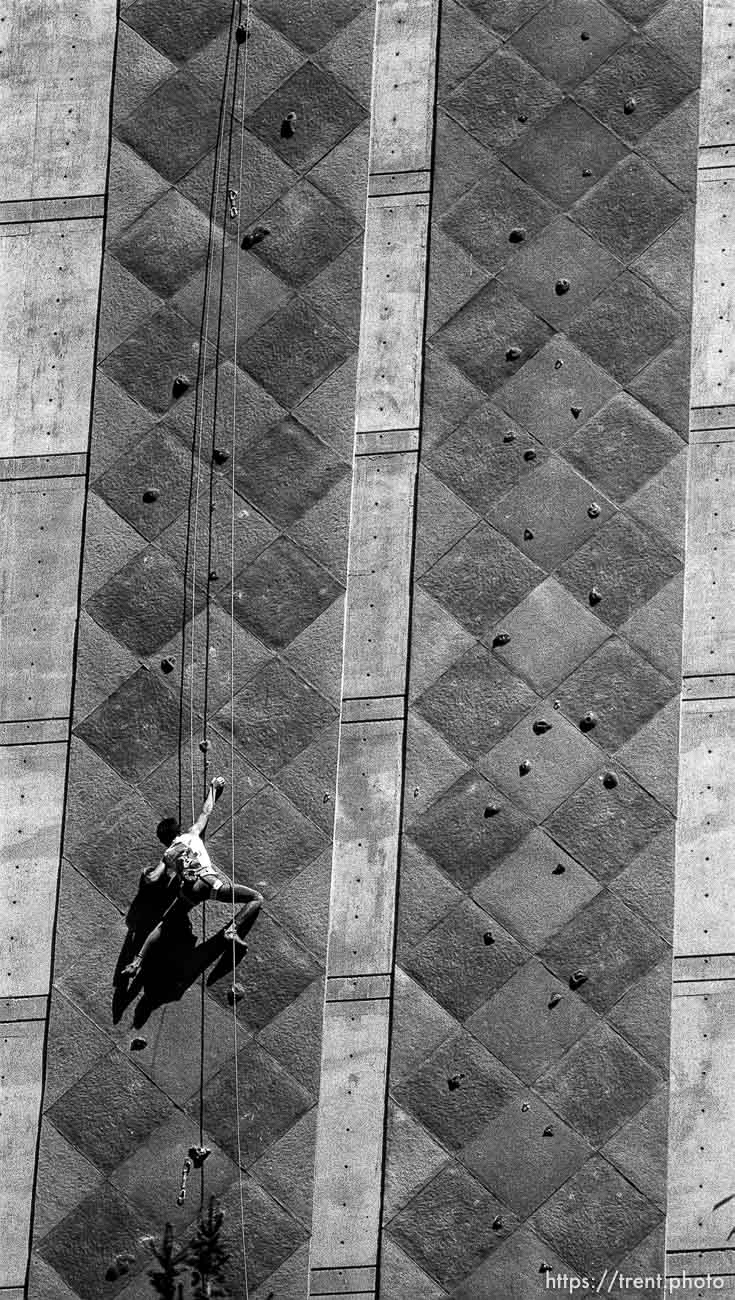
(174, 963)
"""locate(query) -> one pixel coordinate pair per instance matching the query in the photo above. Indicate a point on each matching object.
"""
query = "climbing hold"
(544, 1267)
(630, 105)
(513, 353)
(548, 1131)
(138, 1044)
(595, 596)
(288, 126)
(530, 454)
(588, 721)
(213, 575)
(180, 385)
(325, 798)
(593, 510)
(562, 286)
(167, 665)
(517, 235)
(498, 1222)
(584, 36)
(241, 33)
(559, 869)
(255, 236)
(492, 810)
(235, 994)
(609, 780)
(119, 1267)
(522, 117)
(541, 726)
(525, 767)
(150, 495)
(220, 456)
(509, 437)
(198, 1155)
(454, 1081)
(556, 704)
(586, 171)
(525, 1106)
(488, 938)
(576, 411)
(577, 979)
(527, 535)
(554, 1000)
(204, 746)
(558, 363)
(501, 638)
(416, 792)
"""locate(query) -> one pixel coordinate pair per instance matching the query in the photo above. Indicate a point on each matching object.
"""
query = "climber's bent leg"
(253, 901)
(177, 909)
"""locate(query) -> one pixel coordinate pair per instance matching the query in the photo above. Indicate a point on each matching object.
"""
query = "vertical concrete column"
(701, 1185)
(55, 78)
(351, 1123)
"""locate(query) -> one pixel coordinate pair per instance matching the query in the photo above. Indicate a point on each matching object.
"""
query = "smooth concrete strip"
(709, 967)
(25, 1008)
(343, 1281)
(381, 708)
(359, 988)
(711, 417)
(713, 376)
(35, 731)
(709, 588)
(59, 209)
(719, 686)
(32, 467)
(49, 287)
(373, 442)
(21, 1067)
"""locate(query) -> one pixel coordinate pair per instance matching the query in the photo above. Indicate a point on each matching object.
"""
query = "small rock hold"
(576, 411)
(454, 1081)
(586, 171)
(541, 726)
(513, 353)
(522, 117)
(527, 535)
(530, 454)
(517, 235)
(593, 510)
(180, 385)
(213, 575)
(559, 869)
(167, 665)
(525, 1106)
(630, 105)
(150, 495)
(588, 721)
(488, 938)
(325, 798)
(554, 1000)
(288, 126)
(577, 979)
(241, 33)
(498, 1222)
(584, 36)
(138, 1044)
(595, 596)
(558, 363)
(235, 994)
(525, 767)
(609, 780)
(204, 746)
(562, 286)
(544, 1267)
(556, 704)
(509, 437)
(220, 456)
(502, 638)
(492, 810)
(255, 236)
(548, 1131)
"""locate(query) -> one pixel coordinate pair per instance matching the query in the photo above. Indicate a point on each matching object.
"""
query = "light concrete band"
(344, 1252)
(701, 1208)
(57, 68)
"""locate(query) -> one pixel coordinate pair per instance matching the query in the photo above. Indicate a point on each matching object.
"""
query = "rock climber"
(187, 870)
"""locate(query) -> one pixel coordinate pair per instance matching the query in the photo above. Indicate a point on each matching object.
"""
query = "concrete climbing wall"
(700, 1203)
(527, 1124)
(56, 65)
(118, 1122)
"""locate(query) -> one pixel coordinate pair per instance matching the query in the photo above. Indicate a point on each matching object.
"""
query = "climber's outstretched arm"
(216, 787)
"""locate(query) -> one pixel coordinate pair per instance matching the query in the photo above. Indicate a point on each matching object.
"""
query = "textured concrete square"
(178, 33)
(520, 1160)
(554, 41)
(517, 1270)
(146, 1178)
(153, 356)
(484, 217)
(166, 245)
(642, 1015)
(63, 1179)
(287, 470)
(74, 1045)
(464, 959)
(627, 325)
(560, 272)
(139, 68)
(293, 352)
(437, 641)
(294, 1035)
(265, 178)
(84, 1244)
(604, 829)
(336, 292)
(125, 305)
(276, 715)
(281, 593)
(136, 728)
(609, 944)
(303, 904)
(557, 507)
(667, 264)
(420, 1024)
(630, 208)
(481, 579)
(475, 702)
(672, 145)
(620, 687)
(273, 839)
(286, 1170)
(638, 70)
(424, 898)
(550, 634)
(297, 20)
(325, 114)
(545, 393)
(626, 564)
(133, 185)
(307, 232)
(638, 1149)
(452, 1207)
(173, 128)
(483, 457)
(595, 1218)
(309, 781)
(431, 766)
(349, 55)
(663, 385)
(142, 603)
(566, 154)
(159, 463)
(464, 836)
(492, 325)
(487, 103)
(651, 755)
(442, 519)
(560, 760)
(411, 1160)
(520, 1027)
(457, 1091)
(621, 448)
(647, 885)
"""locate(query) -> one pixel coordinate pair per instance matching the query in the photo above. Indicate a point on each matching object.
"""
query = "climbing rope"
(238, 33)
